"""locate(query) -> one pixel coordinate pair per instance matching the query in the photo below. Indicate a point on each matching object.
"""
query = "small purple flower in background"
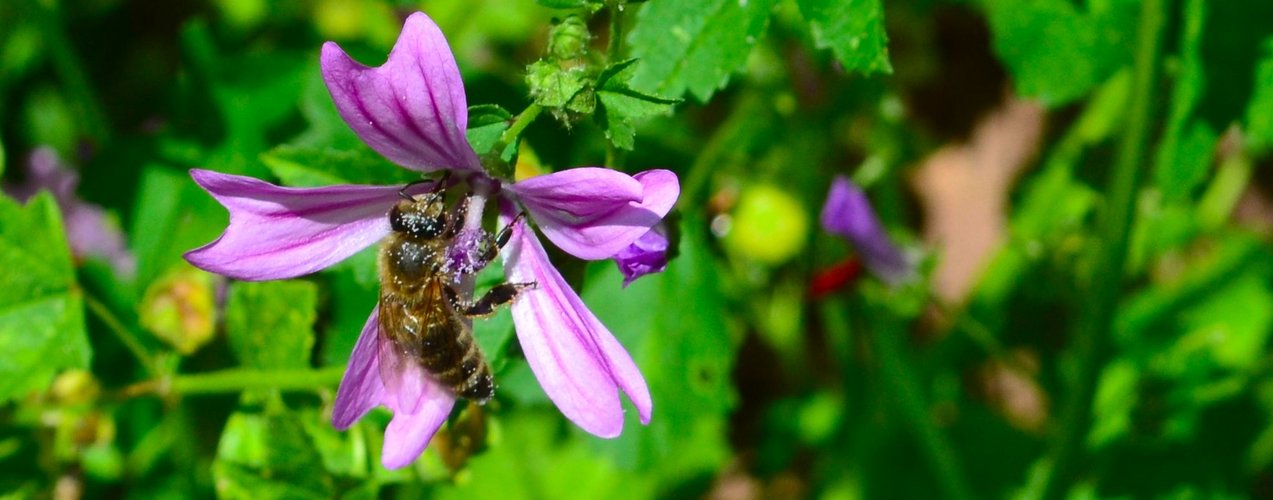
(88, 231)
(848, 213)
(648, 254)
(413, 110)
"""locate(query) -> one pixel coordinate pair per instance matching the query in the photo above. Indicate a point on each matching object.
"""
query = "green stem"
(907, 393)
(130, 340)
(614, 52)
(69, 68)
(240, 379)
(1092, 338)
(523, 120)
(615, 47)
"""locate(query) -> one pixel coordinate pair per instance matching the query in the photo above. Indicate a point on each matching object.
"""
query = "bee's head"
(423, 216)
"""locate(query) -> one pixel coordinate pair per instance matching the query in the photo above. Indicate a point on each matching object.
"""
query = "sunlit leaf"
(271, 324)
(41, 313)
(852, 29)
(1057, 52)
(694, 46)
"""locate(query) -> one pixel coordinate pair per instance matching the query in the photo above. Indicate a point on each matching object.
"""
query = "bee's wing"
(403, 320)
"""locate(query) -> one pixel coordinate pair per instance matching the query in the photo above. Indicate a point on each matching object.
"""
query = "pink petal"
(593, 213)
(411, 428)
(577, 361)
(405, 381)
(412, 108)
(360, 389)
(277, 232)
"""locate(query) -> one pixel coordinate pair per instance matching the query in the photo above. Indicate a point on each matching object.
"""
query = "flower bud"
(648, 254)
(180, 308)
(75, 387)
(568, 39)
(848, 214)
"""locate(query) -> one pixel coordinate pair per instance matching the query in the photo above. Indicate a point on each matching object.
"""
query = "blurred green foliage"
(169, 382)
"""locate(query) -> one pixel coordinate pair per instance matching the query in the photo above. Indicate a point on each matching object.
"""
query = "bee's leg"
(498, 295)
(455, 220)
(502, 238)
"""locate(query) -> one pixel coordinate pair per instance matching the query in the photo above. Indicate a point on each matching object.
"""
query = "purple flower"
(413, 110)
(88, 231)
(848, 213)
(648, 254)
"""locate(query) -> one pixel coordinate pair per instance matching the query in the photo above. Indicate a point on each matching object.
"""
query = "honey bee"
(422, 315)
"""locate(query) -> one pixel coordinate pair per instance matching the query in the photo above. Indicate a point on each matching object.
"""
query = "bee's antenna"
(403, 192)
(441, 182)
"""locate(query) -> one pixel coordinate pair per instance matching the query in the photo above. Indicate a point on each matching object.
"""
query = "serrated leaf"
(41, 313)
(1057, 53)
(694, 46)
(305, 166)
(852, 29)
(270, 324)
(622, 107)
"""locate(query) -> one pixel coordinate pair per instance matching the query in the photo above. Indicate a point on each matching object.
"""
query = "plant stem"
(907, 394)
(615, 47)
(130, 340)
(239, 379)
(1091, 340)
(235, 380)
(523, 120)
(614, 52)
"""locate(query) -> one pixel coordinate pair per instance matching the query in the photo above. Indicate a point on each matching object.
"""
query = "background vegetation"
(1084, 186)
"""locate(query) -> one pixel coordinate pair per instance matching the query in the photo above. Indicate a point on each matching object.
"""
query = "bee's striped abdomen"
(450, 353)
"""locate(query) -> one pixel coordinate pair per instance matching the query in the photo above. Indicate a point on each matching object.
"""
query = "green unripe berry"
(769, 225)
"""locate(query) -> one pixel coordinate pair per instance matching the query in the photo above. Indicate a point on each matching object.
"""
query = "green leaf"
(1259, 113)
(622, 107)
(487, 122)
(270, 324)
(352, 291)
(1057, 53)
(694, 46)
(535, 460)
(306, 166)
(852, 29)
(41, 313)
(174, 216)
(269, 455)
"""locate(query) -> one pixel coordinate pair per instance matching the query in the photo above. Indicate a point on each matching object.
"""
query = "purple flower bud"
(648, 254)
(848, 213)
